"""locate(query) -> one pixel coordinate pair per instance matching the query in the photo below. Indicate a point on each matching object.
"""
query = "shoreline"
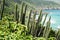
(50, 8)
(58, 8)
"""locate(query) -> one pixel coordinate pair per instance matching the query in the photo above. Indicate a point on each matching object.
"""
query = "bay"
(55, 18)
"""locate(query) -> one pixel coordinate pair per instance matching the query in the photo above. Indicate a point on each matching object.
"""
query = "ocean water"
(55, 18)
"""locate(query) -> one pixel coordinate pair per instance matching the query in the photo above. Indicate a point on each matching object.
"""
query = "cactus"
(24, 14)
(47, 33)
(34, 16)
(21, 13)
(29, 19)
(45, 19)
(39, 18)
(2, 9)
(17, 14)
(42, 24)
(38, 21)
(58, 35)
(33, 24)
(48, 29)
(44, 31)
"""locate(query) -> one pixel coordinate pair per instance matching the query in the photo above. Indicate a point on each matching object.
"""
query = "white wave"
(51, 12)
(52, 20)
(58, 27)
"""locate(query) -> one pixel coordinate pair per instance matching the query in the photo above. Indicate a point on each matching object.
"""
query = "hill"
(42, 3)
(32, 3)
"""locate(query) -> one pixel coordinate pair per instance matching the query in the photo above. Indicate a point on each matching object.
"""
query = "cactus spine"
(2, 9)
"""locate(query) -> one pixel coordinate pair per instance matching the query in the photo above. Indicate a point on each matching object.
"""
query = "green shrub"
(11, 30)
(52, 38)
(39, 38)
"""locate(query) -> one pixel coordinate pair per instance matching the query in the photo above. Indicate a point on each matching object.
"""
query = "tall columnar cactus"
(17, 14)
(45, 26)
(39, 18)
(58, 35)
(2, 9)
(45, 19)
(24, 14)
(48, 29)
(47, 33)
(42, 25)
(33, 24)
(44, 32)
(29, 19)
(38, 21)
(34, 16)
(21, 13)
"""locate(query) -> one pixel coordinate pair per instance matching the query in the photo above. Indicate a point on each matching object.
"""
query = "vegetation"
(13, 25)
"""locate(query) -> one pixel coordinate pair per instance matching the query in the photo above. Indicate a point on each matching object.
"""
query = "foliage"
(11, 28)
(52, 38)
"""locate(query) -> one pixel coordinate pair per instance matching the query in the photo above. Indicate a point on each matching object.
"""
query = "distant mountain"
(42, 3)
(33, 3)
(37, 3)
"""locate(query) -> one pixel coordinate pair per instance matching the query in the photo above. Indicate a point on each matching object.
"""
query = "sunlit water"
(55, 18)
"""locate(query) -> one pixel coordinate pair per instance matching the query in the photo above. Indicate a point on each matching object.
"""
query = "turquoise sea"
(55, 18)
